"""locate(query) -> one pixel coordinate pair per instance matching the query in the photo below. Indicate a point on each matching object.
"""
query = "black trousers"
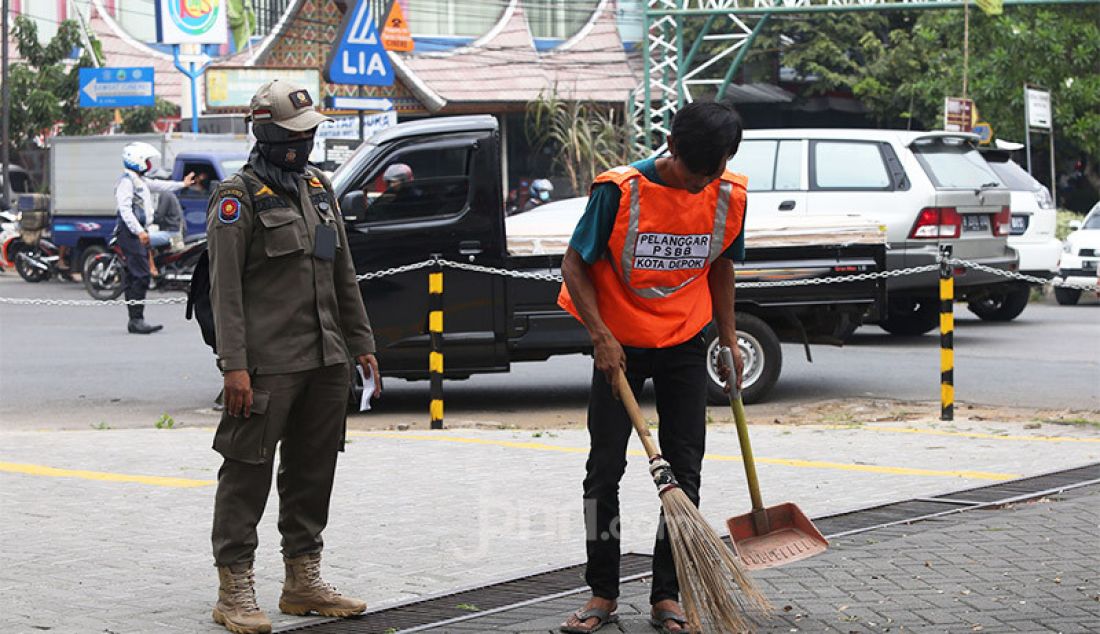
(137, 271)
(679, 378)
(305, 413)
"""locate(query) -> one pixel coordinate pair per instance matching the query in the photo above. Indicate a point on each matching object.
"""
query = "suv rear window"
(1014, 177)
(954, 164)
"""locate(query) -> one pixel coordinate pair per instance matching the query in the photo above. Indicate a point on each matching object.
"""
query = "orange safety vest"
(651, 287)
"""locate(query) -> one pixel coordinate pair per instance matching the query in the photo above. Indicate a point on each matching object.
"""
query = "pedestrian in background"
(649, 266)
(134, 199)
(289, 319)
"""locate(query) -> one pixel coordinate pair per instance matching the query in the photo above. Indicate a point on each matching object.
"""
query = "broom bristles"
(716, 590)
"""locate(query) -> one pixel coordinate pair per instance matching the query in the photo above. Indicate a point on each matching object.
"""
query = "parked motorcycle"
(36, 262)
(105, 274)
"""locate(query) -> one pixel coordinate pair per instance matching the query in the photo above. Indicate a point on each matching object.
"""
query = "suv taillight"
(937, 222)
(1002, 222)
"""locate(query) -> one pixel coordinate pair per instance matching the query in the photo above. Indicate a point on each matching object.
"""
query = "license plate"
(976, 222)
(1019, 225)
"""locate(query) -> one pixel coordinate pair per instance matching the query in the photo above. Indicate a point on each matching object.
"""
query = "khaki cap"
(286, 105)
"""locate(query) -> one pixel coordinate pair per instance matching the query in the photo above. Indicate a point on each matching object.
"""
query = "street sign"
(1038, 108)
(984, 132)
(395, 30)
(379, 104)
(192, 21)
(233, 87)
(358, 58)
(116, 87)
(958, 114)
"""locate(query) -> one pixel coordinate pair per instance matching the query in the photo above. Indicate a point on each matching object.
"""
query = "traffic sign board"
(380, 104)
(358, 58)
(395, 31)
(116, 87)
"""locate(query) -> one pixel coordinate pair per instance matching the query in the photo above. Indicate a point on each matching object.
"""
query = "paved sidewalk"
(108, 531)
(1030, 568)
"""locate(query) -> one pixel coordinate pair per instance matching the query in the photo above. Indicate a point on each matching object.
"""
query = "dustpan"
(772, 536)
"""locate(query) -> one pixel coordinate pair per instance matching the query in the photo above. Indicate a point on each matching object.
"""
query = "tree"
(902, 64)
(586, 138)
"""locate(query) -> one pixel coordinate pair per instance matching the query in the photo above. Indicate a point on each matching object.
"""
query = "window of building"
(453, 18)
(556, 19)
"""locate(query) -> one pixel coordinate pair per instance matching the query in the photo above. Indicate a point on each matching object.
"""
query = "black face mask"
(289, 155)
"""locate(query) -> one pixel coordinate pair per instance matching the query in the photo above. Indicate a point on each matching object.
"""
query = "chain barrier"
(556, 277)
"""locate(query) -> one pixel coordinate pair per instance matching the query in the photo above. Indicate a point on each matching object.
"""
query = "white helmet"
(139, 156)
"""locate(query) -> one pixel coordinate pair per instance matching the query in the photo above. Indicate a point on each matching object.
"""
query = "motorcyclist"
(169, 215)
(134, 199)
(540, 193)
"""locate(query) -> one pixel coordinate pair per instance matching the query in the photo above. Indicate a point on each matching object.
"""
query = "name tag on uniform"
(671, 252)
(324, 243)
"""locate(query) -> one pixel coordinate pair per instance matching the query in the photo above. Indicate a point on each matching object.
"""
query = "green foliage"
(469, 607)
(45, 88)
(902, 64)
(586, 139)
(101, 425)
(165, 422)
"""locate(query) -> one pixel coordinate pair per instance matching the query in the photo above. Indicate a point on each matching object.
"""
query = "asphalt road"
(71, 367)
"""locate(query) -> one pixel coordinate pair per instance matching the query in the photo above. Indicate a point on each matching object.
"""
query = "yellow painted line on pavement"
(103, 476)
(786, 462)
(963, 434)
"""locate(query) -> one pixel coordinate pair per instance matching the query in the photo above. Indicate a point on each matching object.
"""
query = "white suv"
(1080, 257)
(926, 188)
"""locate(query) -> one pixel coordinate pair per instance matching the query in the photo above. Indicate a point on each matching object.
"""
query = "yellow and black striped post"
(435, 328)
(947, 335)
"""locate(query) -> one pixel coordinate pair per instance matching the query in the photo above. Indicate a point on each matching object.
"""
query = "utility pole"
(5, 114)
(966, 45)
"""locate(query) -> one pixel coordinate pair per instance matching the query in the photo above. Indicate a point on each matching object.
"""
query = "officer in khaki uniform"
(289, 319)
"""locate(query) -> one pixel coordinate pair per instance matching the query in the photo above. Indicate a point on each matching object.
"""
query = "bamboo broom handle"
(626, 395)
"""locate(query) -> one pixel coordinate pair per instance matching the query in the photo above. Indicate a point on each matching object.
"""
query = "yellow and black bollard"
(435, 329)
(947, 335)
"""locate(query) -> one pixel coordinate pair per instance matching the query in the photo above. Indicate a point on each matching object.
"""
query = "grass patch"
(100, 425)
(165, 422)
(1074, 422)
(469, 607)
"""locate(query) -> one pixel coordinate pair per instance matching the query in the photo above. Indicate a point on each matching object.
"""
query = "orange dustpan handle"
(759, 515)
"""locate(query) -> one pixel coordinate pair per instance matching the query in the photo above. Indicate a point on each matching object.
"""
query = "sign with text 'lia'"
(358, 58)
(116, 87)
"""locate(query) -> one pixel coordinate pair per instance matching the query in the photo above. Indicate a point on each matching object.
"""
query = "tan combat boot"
(236, 608)
(304, 591)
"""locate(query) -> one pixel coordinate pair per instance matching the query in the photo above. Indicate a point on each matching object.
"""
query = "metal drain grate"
(487, 598)
(499, 597)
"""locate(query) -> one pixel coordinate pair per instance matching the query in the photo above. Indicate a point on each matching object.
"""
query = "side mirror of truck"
(1075, 224)
(354, 206)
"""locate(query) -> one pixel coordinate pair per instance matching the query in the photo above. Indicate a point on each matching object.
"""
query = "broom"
(714, 586)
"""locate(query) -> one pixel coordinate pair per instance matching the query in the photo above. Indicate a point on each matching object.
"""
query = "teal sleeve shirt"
(595, 226)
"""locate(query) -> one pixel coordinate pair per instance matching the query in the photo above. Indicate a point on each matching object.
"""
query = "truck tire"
(911, 316)
(1003, 306)
(1067, 296)
(762, 355)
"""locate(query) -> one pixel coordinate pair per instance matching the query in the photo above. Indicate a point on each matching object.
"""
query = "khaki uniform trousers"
(305, 412)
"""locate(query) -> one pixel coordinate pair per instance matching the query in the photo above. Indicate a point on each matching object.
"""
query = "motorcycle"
(105, 274)
(35, 262)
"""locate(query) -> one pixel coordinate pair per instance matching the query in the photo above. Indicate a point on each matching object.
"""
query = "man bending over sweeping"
(648, 269)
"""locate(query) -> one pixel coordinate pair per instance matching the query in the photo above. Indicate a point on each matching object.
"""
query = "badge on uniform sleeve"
(229, 210)
(315, 182)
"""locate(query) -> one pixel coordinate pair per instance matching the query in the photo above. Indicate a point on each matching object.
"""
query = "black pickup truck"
(453, 207)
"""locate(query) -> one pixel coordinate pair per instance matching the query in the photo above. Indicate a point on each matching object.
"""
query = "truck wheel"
(1067, 296)
(762, 356)
(911, 316)
(1003, 306)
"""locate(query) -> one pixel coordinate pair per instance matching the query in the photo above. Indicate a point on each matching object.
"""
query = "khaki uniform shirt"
(278, 308)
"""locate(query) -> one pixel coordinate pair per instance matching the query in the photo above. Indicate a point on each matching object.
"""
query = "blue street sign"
(379, 104)
(116, 87)
(358, 58)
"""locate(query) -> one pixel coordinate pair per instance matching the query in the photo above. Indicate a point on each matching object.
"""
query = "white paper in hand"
(368, 389)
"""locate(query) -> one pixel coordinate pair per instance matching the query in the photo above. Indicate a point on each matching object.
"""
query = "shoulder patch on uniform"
(315, 182)
(265, 191)
(229, 209)
(231, 191)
